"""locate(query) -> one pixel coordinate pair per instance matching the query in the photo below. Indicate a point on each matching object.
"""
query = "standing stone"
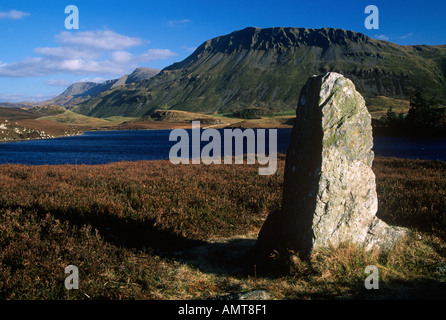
(329, 192)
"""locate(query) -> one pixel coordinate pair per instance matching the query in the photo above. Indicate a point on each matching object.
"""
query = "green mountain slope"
(267, 68)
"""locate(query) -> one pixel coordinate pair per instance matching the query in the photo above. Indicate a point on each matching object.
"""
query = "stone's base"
(270, 244)
(383, 236)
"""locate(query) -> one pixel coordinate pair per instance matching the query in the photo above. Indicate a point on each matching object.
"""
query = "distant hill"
(184, 117)
(17, 124)
(47, 110)
(266, 68)
(16, 104)
(14, 114)
(81, 91)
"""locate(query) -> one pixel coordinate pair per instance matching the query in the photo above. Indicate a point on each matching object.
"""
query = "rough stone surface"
(329, 194)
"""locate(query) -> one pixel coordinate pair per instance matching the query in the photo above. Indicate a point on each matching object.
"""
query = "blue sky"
(39, 57)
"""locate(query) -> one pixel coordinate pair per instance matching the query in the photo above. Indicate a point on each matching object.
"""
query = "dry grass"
(266, 122)
(49, 127)
(152, 230)
(18, 124)
(379, 105)
(152, 125)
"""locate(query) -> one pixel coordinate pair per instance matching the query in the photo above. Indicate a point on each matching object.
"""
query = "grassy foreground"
(152, 230)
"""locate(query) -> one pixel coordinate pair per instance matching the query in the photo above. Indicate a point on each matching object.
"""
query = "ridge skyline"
(41, 57)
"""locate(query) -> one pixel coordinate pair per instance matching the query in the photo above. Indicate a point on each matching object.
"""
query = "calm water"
(111, 146)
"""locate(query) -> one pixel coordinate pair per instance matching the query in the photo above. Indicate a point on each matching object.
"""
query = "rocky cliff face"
(264, 67)
(141, 74)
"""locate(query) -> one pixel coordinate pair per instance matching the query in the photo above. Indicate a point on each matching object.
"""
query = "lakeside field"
(152, 230)
(43, 122)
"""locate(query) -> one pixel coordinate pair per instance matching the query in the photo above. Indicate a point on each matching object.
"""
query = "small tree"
(391, 116)
(418, 107)
(421, 114)
(418, 102)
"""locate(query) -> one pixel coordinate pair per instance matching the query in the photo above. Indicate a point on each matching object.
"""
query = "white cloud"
(13, 15)
(176, 23)
(121, 56)
(407, 35)
(58, 82)
(21, 97)
(155, 54)
(68, 53)
(85, 53)
(100, 40)
(150, 55)
(189, 49)
(382, 37)
(97, 80)
(36, 67)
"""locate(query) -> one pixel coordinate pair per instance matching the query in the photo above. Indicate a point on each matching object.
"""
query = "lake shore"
(108, 146)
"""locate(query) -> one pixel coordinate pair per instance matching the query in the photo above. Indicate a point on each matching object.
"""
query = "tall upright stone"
(329, 192)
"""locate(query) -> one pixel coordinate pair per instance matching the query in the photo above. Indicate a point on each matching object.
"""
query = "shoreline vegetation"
(152, 230)
(419, 117)
(53, 122)
(66, 125)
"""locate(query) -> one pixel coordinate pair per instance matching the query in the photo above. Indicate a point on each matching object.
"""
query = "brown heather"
(152, 230)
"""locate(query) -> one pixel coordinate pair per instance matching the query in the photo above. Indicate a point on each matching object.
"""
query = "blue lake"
(112, 146)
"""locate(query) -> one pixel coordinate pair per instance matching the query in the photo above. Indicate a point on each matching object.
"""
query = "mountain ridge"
(256, 67)
(79, 92)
